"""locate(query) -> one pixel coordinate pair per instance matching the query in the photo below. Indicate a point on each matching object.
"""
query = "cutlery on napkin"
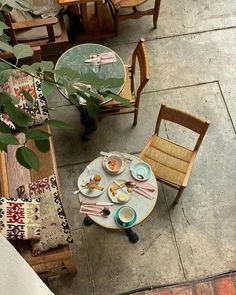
(144, 193)
(144, 189)
(104, 58)
(94, 209)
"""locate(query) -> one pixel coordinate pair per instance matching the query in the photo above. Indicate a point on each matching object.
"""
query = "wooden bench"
(12, 175)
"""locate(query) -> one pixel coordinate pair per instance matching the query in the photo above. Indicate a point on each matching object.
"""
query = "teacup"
(126, 216)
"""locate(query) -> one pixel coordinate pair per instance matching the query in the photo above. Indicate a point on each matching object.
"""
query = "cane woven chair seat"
(168, 160)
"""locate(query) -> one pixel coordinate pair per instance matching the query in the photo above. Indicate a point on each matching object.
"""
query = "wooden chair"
(34, 30)
(171, 162)
(129, 90)
(117, 5)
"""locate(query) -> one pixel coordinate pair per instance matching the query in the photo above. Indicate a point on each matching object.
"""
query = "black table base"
(88, 220)
(88, 122)
(133, 237)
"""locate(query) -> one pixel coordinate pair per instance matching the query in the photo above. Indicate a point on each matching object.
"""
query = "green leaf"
(4, 128)
(116, 97)
(4, 66)
(22, 51)
(92, 109)
(67, 74)
(42, 145)
(5, 98)
(27, 96)
(27, 158)
(37, 134)
(46, 66)
(8, 139)
(17, 116)
(5, 47)
(47, 88)
(3, 146)
(3, 25)
(59, 124)
(74, 100)
(30, 69)
(4, 75)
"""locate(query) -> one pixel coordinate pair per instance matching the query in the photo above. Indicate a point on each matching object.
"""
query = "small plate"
(85, 177)
(141, 168)
(116, 217)
(115, 197)
(123, 167)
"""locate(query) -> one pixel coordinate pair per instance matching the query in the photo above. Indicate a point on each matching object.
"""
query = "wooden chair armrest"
(27, 24)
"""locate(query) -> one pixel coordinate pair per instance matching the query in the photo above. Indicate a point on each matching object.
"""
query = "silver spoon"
(105, 212)
(139, 176)
(134, 185)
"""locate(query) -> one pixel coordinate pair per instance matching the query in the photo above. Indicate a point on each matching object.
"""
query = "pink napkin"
(93, 209)
(142, 189)
(107, 57)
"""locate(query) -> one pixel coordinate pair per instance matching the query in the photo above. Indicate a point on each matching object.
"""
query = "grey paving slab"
(79, 283)
(68, 179)
(113, 133)
(187, 60)
(204, 220)
(118, 265)
(178, 18)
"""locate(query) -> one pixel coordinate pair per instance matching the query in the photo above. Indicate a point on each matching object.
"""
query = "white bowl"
(113, 163)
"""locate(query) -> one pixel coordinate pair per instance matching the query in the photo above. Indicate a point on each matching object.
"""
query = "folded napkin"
(148, 195)
(142, 189)
(104, 57)
(93, 209)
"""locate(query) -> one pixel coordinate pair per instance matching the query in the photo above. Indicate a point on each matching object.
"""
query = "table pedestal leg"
(88, 220)
(89, 123)
(133, 237)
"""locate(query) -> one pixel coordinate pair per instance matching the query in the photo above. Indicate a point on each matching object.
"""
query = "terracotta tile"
(182, 291)
(204, 289)
(161, 292)
(225, 286)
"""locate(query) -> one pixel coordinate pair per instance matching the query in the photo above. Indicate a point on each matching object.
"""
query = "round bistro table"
(142, 205)
(74, 58)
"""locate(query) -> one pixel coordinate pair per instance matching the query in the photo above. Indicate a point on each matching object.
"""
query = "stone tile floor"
(192, 58)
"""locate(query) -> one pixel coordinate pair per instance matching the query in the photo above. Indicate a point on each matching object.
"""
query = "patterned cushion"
(55, 231)
(20, 218)
(20, 81)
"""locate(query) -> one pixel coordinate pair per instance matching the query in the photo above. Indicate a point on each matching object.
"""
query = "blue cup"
(125, 216)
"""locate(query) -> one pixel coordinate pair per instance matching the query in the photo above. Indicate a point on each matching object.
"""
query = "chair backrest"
(140, 55)
(184, 119)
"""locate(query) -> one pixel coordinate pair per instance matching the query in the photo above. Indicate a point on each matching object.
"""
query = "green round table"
(75, 57)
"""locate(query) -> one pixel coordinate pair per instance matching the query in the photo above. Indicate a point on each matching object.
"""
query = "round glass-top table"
(142, 205)
(75, 58)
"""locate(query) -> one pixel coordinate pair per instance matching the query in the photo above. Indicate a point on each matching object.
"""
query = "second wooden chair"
(172, 163)
(118, 5)
(139, 58)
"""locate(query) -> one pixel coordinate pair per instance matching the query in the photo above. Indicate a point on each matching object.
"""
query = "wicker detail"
(168, 160)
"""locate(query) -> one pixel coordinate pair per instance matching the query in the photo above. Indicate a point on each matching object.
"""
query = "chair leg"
(70, 265)
(156, 13)
(135, 117)
(116, 22)
(180, 191)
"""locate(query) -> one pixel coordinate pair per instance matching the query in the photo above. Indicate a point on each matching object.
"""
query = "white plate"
(123, 167)
(114, 198)
(85, 177)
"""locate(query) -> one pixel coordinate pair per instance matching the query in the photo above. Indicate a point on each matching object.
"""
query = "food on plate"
(113, 164)
(92, 185)
(97, 178)
(123, 197)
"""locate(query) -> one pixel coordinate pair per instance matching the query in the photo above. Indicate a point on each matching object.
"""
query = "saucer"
(122, 168)
(141, 168)
(117, 220)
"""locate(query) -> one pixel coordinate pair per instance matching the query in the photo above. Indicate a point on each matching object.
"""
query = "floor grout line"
(180, 35)
(88, 264)
(228, 111)
(173, 234)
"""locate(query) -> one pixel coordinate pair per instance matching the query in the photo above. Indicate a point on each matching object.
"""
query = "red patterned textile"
(19, 81)
(55, 230)
(20, 218)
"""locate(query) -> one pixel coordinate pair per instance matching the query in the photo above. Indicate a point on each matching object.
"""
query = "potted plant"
(45, 72)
